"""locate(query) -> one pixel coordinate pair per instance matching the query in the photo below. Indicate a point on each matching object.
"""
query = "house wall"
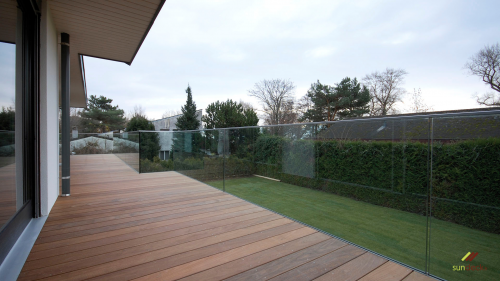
(168, 124)
(49, 110)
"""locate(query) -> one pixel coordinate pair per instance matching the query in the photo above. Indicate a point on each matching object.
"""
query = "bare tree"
(385, 90)
(74, 117)
(138, 111)
(276, 97)
(247, 105)
(486, 64)
(304, 104)
(489, 99)
(417, 103)
(288, 114)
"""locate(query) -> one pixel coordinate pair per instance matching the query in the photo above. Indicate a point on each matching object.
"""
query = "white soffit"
(111, 29)
(8, 14)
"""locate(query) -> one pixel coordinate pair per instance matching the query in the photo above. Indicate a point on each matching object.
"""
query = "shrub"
(465, 174)
(90, 147)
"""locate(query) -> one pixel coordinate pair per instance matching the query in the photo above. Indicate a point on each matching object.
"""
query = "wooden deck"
(7, 189)
(121, 225)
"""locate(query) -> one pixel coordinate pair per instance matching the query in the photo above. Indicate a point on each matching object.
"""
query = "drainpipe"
(65, 126)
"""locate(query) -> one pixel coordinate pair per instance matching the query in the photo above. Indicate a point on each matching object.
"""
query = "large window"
(19, 108)
(7, 133)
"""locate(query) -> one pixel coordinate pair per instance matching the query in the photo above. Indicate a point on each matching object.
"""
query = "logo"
(469, 257)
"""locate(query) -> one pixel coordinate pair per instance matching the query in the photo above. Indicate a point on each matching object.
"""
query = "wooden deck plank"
(121, 225)
(67, 223)
(320, 266)
(224, 257)
(178, 219)
(248, 262)
(106, 209)
(284, 264)
(127, 268)
(389, 271)
(147, 251)
(354, 269)
(136, 222)
(177, 229)
(141, 216)
(417, 276)
(164, 239)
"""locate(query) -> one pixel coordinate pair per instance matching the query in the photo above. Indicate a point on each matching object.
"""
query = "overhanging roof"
(8, 15)
(112, 29)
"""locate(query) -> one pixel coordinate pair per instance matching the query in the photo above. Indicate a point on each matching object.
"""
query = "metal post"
(65, 126)
(431, 145)
(223, 160)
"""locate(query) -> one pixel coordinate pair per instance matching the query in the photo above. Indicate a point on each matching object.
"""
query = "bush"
(90, 147)
(123, 148)
(465, 174)
(157, 165)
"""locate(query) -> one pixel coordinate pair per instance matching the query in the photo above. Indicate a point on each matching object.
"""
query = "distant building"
(168, 124)
(404, 127)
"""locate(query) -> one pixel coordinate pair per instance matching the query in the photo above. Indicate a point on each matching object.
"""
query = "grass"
(393, 233)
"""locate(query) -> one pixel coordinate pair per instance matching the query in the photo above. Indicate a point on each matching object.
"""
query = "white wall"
(49, 111)
(169, 122)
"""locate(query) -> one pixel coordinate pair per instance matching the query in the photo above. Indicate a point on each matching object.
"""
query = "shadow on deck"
(121, 225)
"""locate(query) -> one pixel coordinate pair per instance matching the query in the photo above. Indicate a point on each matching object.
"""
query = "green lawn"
(393, 233)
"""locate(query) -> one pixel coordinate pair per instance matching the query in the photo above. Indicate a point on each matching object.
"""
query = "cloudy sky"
(222, 48)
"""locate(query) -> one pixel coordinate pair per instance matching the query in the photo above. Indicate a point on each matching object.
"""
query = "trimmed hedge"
(202, 169)
(465, 174)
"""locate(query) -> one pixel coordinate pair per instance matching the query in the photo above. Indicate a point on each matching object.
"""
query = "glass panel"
(465, 198)
(379, 170)
(159, 154)
(126, 147)
(197, 154)
(362, 181)
(90, 143)
(7, 133)
(188, 154)
(201, 157)
(213, 160)
(374, 183)
(240, 167)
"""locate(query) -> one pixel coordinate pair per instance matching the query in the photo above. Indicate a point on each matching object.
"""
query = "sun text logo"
(469, 257)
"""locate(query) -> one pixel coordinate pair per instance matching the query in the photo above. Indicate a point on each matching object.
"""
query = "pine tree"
(100, 116)
(188, 119)
(347, 99)
(355, 98)
(187, 144)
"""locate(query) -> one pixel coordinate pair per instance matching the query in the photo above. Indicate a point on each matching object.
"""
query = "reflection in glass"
(7, 133)
(420, 190)
(465, 196)
(126, 147)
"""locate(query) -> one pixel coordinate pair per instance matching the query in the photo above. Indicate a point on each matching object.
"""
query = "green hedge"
(465, 174)
(202, 169)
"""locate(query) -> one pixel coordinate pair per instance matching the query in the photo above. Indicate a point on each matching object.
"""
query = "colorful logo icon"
(469, 256)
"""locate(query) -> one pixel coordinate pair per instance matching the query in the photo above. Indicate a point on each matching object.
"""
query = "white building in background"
(168, 125)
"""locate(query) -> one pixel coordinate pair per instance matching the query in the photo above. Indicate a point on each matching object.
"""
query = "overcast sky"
(222, 48)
